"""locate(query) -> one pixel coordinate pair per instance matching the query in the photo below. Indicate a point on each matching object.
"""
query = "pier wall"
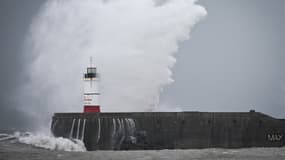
(170, 130)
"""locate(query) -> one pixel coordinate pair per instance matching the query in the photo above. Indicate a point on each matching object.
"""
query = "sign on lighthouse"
(91, 90)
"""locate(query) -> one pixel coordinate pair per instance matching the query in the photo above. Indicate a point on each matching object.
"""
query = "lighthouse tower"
(91, 90)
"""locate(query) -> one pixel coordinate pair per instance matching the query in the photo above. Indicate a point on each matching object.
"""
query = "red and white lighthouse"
(91, 89)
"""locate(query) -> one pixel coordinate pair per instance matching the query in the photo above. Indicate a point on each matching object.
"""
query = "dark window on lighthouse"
(91, 72)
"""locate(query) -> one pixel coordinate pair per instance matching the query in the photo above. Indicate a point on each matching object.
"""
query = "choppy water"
(12, 149)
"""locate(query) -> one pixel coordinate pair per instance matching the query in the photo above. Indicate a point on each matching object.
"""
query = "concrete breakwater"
(170, 130)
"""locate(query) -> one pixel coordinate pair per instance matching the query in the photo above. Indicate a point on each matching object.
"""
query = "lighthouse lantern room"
(91, 90)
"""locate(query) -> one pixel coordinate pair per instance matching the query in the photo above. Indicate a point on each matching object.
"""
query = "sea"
(28, 146)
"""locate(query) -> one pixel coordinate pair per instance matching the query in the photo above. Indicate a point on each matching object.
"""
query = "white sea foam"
(50, 142)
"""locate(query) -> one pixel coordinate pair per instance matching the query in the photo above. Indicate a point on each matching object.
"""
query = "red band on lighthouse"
(91, 109)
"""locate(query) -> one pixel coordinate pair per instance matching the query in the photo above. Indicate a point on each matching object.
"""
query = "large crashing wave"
(133, 43)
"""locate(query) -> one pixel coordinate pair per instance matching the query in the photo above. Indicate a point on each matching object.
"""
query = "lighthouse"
(91, 89)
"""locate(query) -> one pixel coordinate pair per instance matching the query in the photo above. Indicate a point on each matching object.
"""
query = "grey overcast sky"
(233, 62)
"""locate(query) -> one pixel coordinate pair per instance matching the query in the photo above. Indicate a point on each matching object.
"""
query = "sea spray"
(45, 141)
(133, 43)
(53, 143)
